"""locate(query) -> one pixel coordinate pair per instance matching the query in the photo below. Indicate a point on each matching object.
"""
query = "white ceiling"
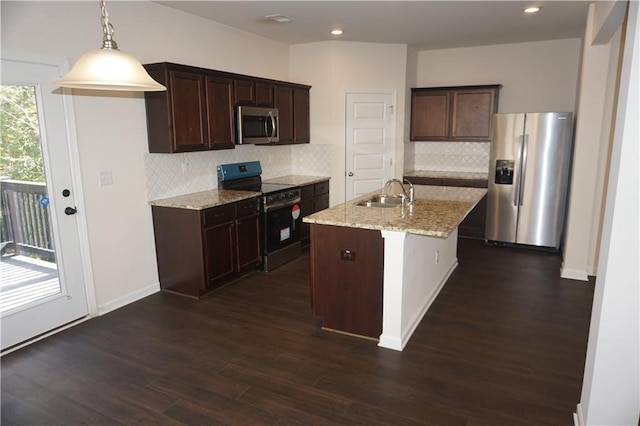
(423, 24)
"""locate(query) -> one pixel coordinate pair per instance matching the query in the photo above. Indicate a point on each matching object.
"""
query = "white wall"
(611, 386)
(111, 129)
(535, 77)
(334, 68)
(598, 75)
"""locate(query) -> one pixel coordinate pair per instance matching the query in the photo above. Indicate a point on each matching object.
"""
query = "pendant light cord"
(107, 29)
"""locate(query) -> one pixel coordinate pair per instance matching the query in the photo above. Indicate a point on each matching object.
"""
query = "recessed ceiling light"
(281, 19)
(532, 9)
(336, 32)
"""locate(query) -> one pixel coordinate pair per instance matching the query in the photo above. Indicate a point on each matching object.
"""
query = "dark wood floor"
(503, 344)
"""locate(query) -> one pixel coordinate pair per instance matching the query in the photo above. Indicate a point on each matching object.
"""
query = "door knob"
(350, 174)
(70, 210)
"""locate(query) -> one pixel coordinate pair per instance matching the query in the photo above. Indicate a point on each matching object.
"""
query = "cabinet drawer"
(306, 192)
(218, 215)
(467, 183)
(247, 208)
(420, 180)
(321, 188)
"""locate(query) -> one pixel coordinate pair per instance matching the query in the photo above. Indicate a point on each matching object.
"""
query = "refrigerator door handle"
(516, 190)
(523, 169)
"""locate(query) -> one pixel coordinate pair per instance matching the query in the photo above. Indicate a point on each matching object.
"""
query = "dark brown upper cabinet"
(196, 112)
(301, 122)
(253, 93)
(293, 113)
(453, 113)
(176, 119)
(220, 128)
(283, 100)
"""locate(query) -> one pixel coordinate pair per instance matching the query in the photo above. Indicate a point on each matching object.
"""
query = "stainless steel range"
(280, 211)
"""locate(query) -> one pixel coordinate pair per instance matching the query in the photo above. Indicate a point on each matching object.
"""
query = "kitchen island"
(376, 270)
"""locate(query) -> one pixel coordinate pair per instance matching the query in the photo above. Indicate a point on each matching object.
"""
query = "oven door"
(281, 227)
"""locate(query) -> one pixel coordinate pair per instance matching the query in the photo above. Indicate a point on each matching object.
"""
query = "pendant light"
(108, 68)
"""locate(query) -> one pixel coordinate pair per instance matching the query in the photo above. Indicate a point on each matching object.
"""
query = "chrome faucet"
(408, 195)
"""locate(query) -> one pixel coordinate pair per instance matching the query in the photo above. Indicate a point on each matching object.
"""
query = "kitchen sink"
(382, 201)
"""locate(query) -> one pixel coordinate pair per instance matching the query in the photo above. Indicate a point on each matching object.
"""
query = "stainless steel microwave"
(256, 125)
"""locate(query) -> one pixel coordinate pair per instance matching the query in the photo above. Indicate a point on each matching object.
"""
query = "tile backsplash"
(169, 175)
(448, 156)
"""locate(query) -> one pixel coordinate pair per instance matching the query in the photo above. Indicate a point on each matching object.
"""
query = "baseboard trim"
(578, 417)
(128, 298)
(574, 274)
(393, 343)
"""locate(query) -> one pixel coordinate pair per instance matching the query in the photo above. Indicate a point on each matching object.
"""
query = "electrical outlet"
(185, 167)
(437, 256)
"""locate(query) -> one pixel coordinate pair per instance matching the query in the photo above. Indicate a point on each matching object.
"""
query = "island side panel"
(347, 271)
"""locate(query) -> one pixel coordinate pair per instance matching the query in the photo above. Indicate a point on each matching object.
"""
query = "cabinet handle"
(348, 255)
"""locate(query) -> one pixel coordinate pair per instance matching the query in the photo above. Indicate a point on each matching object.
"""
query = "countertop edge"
(299, 180)
(349, 218)
(224, 196)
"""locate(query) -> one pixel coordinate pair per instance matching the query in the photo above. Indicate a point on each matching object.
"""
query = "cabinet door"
(301, 130)
(219, 253)
(248, 243)
(219, 246)
(473, 226)
(264, 95)
(188, 111)
(244, 92)
(430, 115)
(283, 100)
(220, 112)
(472, 113)
(321, 202)
(301, 123)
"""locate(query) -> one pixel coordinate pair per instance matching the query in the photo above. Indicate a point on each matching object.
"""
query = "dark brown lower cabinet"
(347, 273)
(199, 251)
(473, 225)
(314, 197)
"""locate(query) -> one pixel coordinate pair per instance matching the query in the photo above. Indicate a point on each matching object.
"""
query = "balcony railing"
(24, 220)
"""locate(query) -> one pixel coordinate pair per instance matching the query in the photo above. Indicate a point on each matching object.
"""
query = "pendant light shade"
(108, 68)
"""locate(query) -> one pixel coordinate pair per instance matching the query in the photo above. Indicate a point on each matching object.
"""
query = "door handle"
(70, 211)
(350, 174)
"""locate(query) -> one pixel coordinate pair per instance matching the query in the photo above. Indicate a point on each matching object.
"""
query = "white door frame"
(76, 178)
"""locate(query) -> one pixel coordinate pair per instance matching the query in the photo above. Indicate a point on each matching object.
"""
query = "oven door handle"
(288, 203)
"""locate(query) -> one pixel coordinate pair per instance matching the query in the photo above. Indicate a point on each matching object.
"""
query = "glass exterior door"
(42, 284)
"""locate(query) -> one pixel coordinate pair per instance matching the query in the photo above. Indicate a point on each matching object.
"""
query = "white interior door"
(42, 286)
(370, 142)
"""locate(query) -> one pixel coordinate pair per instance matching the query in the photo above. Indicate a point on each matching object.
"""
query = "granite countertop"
(446, 174)
(217, 197)
(300, 180)
(436, 212)
(205, 199)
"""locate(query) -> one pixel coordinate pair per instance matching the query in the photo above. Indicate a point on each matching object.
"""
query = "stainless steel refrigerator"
(530, 160)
